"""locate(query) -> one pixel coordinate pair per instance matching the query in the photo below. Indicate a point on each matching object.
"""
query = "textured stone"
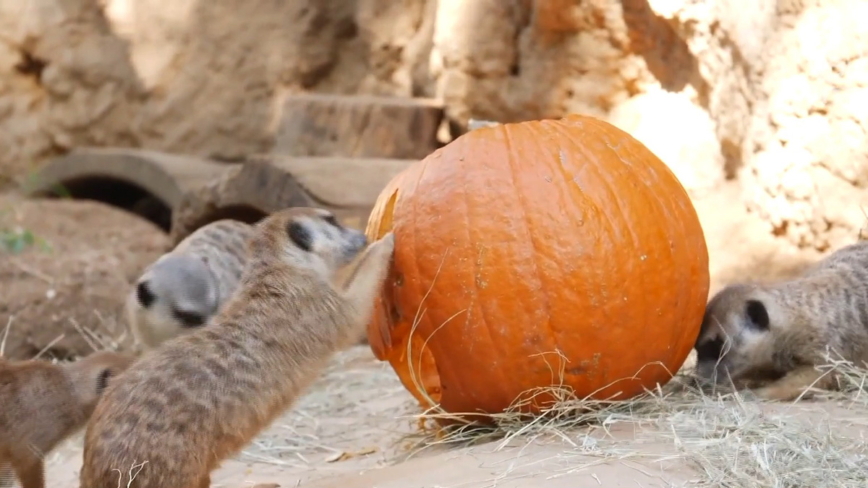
(358, 126)
(777, 79)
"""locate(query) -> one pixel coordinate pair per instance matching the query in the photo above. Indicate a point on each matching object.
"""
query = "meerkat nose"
(359, 240)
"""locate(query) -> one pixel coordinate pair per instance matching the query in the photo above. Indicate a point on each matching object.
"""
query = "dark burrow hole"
(118, 193)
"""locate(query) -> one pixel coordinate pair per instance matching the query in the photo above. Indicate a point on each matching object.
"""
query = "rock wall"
(764, 91)
(65, 80)
(808, 145)
(789, 83)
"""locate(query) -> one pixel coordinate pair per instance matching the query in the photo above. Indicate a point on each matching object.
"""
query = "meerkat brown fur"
(41, 404)
(773, 336)
(202, 396)
(185, 287)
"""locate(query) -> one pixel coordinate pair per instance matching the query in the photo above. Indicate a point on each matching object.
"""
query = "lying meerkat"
(201, 397)
(185, 287)
(42, 404)
(776, 334)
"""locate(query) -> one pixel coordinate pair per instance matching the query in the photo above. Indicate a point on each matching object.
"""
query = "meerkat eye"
(189, 319)
(330, 219)
(144, 294)
(102, 380)
(758, 315)
(300, 236)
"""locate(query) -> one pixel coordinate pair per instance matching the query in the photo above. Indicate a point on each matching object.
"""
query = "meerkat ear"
(144, 294)
(102, 380)
(299, 235)
(758, 315)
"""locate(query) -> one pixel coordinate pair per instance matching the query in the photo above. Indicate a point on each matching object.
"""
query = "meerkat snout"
(735, 337)
(185, 287)
(180, 288)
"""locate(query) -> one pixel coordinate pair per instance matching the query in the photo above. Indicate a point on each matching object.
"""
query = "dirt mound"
(64, 289)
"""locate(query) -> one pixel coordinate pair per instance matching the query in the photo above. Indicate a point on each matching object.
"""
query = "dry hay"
(357, 408)
(730, 438)
(65, 298)
(727, 439)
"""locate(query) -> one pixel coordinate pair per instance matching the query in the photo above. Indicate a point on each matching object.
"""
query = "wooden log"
(264, 184)
(247, 192)
(148, 183)
(349, 187)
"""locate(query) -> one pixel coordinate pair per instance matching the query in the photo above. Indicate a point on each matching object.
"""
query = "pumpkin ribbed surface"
(535, 254)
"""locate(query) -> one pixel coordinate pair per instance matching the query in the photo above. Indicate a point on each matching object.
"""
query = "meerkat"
(185, 287)
(42, 404)
(772, 337)
(201, 397)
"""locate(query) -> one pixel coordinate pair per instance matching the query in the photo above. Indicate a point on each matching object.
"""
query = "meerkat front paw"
(387, 243)
(378, 259)
(365, 282)
(778, 393)
(795, 384)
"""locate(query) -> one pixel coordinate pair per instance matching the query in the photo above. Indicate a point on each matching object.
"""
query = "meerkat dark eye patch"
(144, 294)
(188, 319)
(102, 380)
(300, 236)
(758, 315)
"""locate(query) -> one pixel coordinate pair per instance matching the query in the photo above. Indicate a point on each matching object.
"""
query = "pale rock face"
(810, 123)
(65, 80)
(679, 132)
(768, 92)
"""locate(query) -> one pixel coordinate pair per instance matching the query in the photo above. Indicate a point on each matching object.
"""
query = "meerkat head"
(91, 375)
(737, 339)
(178, 290)
(311, 238)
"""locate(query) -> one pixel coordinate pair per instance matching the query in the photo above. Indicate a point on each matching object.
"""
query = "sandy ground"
(66, 290)
(356, 426)
(356, 429)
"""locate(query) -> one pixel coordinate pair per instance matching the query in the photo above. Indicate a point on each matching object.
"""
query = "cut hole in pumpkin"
(415, 365)
(378, 331)
(388, 214)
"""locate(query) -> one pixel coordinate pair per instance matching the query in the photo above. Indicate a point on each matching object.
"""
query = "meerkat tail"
(796, 383)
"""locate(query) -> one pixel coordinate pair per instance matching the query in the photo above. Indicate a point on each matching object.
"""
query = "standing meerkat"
(185, 287)
(41, 404)
(201, 397)
(775, 335)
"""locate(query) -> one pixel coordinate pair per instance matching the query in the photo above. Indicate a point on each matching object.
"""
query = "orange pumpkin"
(555, 252)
